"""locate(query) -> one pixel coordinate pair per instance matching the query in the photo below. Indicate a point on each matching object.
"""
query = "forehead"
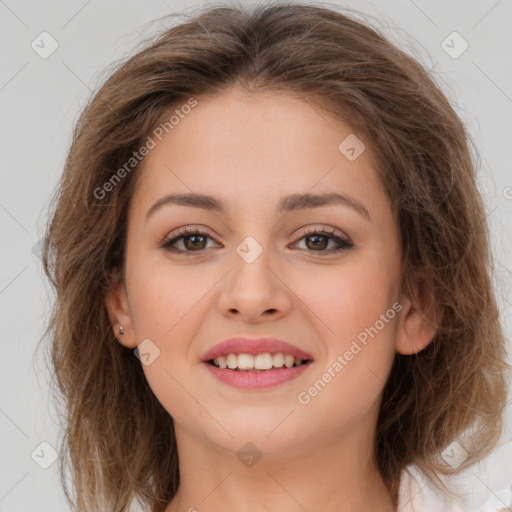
(254, 146)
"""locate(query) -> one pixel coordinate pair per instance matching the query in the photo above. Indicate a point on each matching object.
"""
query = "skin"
(251, 149)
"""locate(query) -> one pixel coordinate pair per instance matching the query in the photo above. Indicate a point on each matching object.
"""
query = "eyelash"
(187, 232)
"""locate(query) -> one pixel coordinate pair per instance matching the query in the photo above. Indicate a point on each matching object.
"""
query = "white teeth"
(245, 361)
(232, 361)
(289, 360)
(261, 362)
(278, 360)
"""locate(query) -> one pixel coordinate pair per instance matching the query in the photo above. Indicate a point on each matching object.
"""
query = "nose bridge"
(253, 265)
(253, 287)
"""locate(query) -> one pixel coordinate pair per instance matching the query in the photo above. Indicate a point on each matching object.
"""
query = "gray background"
(40, 99)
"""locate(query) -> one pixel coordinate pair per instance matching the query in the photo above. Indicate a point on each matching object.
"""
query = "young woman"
(273, 280)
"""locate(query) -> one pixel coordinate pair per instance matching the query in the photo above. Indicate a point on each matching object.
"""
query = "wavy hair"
(118, 441)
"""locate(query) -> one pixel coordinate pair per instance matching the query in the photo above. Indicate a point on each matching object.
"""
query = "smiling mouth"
(249, 363)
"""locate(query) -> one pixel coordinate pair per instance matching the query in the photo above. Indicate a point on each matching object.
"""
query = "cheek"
(345, 300)
(169, 303)
(164, 295)
(166, 302)
(354, 311)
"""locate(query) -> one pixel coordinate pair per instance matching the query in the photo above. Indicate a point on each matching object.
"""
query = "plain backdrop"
(41, 96)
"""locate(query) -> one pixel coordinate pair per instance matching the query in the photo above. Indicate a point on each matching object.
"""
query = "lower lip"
(253, 380)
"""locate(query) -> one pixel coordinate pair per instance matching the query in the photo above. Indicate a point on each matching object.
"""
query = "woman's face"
(257, 270)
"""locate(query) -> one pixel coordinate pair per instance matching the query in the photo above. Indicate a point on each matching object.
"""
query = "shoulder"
(484, 487)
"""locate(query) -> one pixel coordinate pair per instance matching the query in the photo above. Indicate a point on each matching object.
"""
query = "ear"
(119, 311)
(417, 326)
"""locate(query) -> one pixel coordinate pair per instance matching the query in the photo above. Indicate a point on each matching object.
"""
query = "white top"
(484, 487)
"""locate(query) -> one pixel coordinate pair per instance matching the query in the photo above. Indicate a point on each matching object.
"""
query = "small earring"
(121, 330)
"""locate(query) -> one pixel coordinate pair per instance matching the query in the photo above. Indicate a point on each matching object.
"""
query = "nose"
(254, 291)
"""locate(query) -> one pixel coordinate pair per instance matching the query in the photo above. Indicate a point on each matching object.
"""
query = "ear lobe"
(417, 329)
(119, 312)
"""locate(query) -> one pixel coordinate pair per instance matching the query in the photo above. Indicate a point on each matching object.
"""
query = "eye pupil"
(316, 244)
(194, 244)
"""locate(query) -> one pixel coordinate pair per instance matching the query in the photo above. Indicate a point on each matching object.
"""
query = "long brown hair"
(118, 440)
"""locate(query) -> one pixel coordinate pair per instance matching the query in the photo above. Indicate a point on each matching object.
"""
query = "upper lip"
(254, 346)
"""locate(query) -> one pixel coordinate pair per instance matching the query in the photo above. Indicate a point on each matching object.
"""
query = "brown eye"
(318, 241)
(192, 240)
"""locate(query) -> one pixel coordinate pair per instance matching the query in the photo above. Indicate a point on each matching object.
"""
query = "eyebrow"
(286, 204)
